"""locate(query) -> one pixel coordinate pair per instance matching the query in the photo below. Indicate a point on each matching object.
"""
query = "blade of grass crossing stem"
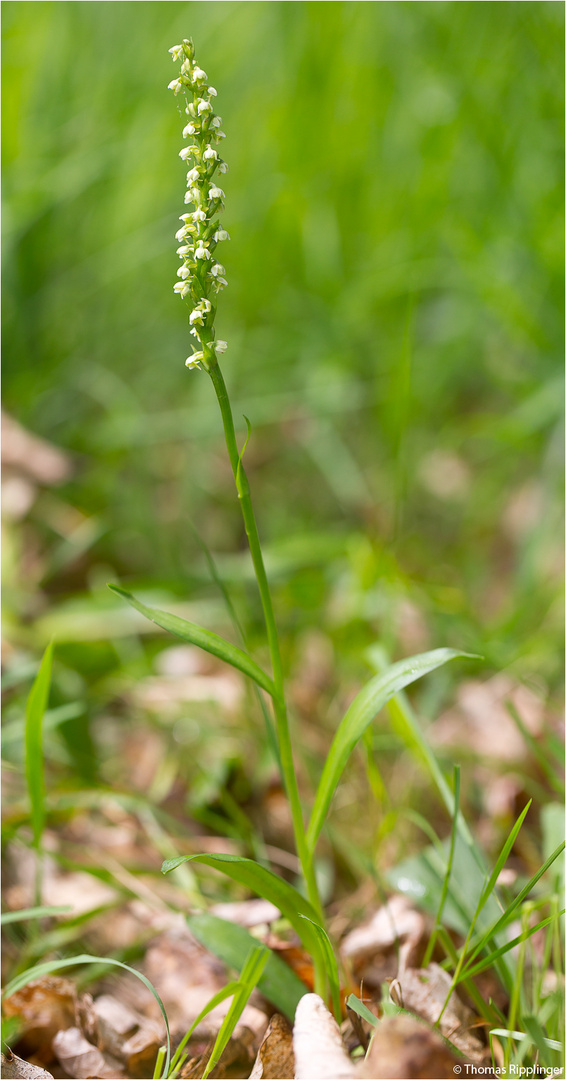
(35, 709)
(365, 706)
(484, 897)
(55, 965)
(31, 913)
(446, 882)
(251, 973)
(218, 998)
(476, 969)
(205, 639)
(232, 943)
(510, 910)
(264, 883)
(331, 967)
(520, 1036)
(362, 1010)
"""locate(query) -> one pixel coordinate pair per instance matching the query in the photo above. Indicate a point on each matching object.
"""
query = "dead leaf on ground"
(275, 1058)
(15, 1068)
(396, 921)
(81, 1059)
(424, 993)
(31, 455)
(317, 1043)
(247, 913)
(481, 722)
(406, 1049)
(43, 1008)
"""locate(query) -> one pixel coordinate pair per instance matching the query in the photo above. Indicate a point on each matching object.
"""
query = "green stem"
(279, 706)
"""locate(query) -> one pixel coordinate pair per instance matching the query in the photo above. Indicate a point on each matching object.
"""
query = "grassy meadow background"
(394, 320)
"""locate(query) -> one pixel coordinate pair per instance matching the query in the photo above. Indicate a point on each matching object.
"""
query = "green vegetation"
(394, 318)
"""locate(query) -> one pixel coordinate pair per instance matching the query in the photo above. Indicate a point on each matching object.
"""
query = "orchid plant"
(201, 278)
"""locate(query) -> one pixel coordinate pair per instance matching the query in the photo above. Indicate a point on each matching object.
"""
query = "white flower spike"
(200, 233)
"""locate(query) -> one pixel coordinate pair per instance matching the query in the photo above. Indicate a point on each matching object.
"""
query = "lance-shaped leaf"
(35, 708)
(264, 883)
(205, 639)
(365, 706)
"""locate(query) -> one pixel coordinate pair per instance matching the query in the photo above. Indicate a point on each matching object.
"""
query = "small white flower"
(184, 272)
(199, 215)
(212, 91)
(194, 333)
(190, 109)
(176, 52)
(190, 129)
(192, 176)
(217, 269)
(199, 313)
(219, 283)
(185, 152)
(184, 250)
(220, 346)
(219, 135)
(176, 85)
(221, 234)
(182, 288)
(182, 234)
(203, 106)
(210, 154)
(202, 252)
(223, 168)
(216, 121)
(192, 195)
(199, 75)
(215, 192)
(194, 360)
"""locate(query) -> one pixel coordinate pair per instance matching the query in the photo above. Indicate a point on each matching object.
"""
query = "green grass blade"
(331, 968)
(362, 711)
(217, 999)
(445, 884)
(251, 974)
(232, 943)
(509, 912)
(470, 972)
(520, 1036)
(72, 961)
(362, 1010)
(501, 860)
(264, 883)
(205, 639)
(31, 913)
(35, 708)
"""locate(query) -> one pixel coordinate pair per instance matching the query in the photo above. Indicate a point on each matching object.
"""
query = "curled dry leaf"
(81, 1059)
(397, 920)
(15, 1068)
(141, 1049)
(317, 1043)
(43, 1007)
(275, 1058)
(115, 1023)
(406, 1049)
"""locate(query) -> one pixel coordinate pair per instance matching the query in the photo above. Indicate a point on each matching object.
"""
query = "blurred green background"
(394, 316)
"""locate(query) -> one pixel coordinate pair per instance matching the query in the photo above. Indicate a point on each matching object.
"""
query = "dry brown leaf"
(481, 722)
(407, 1049)
(396, 921)
(425, 991)
(275, 1058)
(15, 1068)
(43, 1007)
(247, 912)
(115, 1023)
(319, 1051)
(81, 1059)
(31, 455)
(140, 1051)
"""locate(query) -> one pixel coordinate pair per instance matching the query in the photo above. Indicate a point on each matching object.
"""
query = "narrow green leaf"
(471, 972)
(205, 639)
(31, 913)
(362, 1010)
(35, 708)
(362, 711)
(520, 1036)
(72, 961)
(264, 883)
(251, 973)
(232, 943)
(331, 968)
(505, 918)
(217, 999)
